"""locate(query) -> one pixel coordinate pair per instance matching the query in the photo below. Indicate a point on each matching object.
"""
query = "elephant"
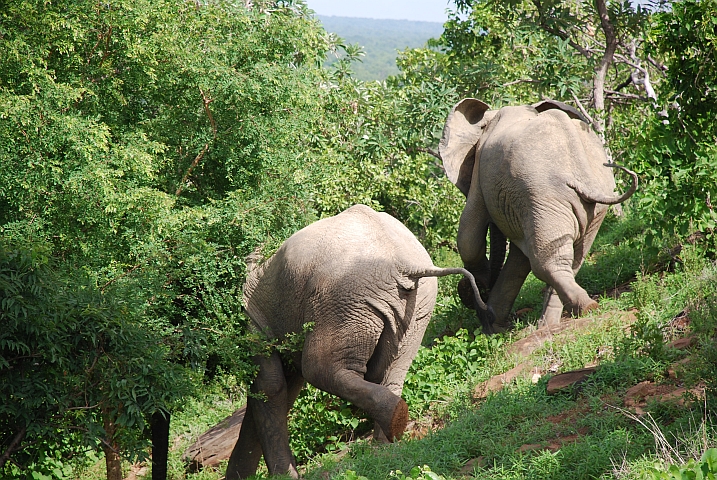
(538, 176)
(361, 289)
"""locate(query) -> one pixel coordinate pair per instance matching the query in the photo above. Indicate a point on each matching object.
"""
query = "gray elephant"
(537, 175)
(365, 286)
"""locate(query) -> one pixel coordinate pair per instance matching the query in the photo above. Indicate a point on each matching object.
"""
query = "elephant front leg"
(552, 308)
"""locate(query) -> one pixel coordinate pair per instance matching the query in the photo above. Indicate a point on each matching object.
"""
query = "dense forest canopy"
(147, 147)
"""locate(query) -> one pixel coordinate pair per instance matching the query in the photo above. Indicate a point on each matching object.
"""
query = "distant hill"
(381, 40)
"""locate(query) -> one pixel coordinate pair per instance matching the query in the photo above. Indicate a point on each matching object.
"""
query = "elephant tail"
(443, 272)
(595, 197)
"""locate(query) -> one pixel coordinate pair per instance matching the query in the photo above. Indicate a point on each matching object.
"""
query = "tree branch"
(624, 95)
(659, 66)
(624, 84)
(13, 447)
(522, 80)
(645, 80)
(596, 126)
(124, 274)
(199, 157)
(559, 33)
(610, 48)
(424, 150)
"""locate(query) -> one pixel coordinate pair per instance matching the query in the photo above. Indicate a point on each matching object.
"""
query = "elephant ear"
(461, 133)
(554, 104)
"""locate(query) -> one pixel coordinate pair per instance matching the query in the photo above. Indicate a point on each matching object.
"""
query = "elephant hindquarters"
(362, 352)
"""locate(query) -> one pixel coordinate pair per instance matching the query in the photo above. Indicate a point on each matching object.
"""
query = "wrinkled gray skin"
(367, 285)
(537, 175)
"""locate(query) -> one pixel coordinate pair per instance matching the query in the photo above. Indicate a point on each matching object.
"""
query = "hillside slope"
(381, 40)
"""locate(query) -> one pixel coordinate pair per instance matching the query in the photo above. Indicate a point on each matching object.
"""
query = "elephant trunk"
(595, 197)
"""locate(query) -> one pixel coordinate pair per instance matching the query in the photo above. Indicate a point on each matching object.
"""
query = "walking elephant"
(537, 175)
(365, 287)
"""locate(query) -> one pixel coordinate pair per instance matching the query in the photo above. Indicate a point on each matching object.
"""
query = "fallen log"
(216, 444)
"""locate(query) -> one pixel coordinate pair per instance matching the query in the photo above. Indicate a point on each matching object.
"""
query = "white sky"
(419, 10)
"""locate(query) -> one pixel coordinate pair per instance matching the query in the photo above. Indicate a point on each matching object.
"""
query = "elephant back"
(354, 250)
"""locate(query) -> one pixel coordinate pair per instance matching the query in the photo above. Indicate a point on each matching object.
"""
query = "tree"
(675, 150)
(151, 145)
(78, 369)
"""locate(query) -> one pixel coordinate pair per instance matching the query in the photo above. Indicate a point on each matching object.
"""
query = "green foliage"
(154, 145)
(617, 255)
(378, 154)
(416, 473)
(71, 355)
(676, 151)
(704, 469)
(702, 308)
(450, 361)
(321, 422)
(494, 431)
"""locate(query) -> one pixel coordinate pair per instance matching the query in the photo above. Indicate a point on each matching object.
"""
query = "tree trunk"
(111, 449)
(602, 67)
(160, 444)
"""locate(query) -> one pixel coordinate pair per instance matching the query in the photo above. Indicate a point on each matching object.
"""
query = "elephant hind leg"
(507, 288)
(247, 452)
(265, 423)
(552, 308)
(389, 411)
(558, 271)
(336, 357)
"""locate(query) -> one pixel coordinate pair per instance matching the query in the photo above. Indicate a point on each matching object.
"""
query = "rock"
(683, 343)
(216, 444)
(677, 369)
(640, 395)
(496, 383)
(564, 380)
(471, 465)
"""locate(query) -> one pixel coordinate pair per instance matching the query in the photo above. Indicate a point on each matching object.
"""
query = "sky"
(418, 10)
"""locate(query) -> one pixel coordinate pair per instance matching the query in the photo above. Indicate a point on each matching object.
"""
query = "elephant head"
(538, 176)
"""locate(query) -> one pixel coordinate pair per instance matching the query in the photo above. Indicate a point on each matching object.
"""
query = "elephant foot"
(579, 310)
(399, 421)
(502, 327)
(591, 306)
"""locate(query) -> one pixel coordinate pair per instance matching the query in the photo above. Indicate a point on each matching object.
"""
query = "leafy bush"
(321, 422)
(449, 362)
(74, 361)
(676, 153)
(704, 469)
